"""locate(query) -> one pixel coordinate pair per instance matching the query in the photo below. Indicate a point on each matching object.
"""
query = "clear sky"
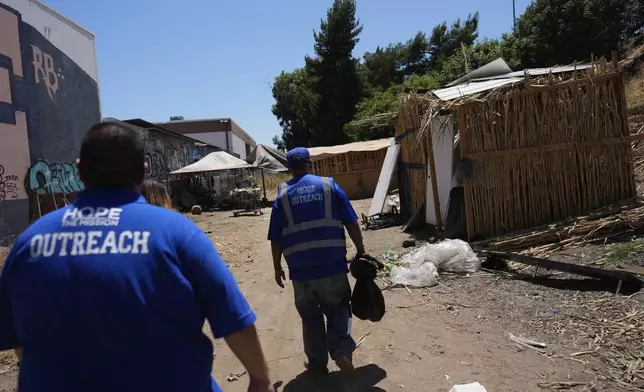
(215, 58)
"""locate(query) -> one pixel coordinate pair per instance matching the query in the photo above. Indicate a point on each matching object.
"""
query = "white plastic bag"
(447, 255)
(473, 387)
(424, 275)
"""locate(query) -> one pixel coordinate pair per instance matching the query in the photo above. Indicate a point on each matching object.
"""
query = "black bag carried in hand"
(367, 302)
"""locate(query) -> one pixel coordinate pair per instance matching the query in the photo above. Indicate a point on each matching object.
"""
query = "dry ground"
(431, 339)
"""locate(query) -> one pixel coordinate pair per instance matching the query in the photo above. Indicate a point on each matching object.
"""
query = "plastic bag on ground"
(473, 387)
(424, 275)
(447, 255)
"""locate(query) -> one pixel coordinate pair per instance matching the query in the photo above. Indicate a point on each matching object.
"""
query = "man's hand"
(280, 277)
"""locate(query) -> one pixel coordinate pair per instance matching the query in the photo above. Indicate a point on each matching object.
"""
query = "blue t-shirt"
(111, 293)
(317, 265)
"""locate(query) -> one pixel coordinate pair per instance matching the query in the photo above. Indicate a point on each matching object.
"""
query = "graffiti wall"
(166, 153)
(47, 101)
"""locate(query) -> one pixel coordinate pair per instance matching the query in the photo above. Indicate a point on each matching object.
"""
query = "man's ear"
(146, 168)
(77, 162)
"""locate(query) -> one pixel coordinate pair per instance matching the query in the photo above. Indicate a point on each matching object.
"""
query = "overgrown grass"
(622, 252)
(635, 84)
(635, 92)
(272, 180)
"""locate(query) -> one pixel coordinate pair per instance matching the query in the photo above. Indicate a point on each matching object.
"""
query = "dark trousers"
(330, 297)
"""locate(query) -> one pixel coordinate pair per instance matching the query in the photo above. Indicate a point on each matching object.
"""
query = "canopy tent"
(267, 158)
(215, 161)
(318, 153)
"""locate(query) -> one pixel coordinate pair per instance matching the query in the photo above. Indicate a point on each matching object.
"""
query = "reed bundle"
(612, 223)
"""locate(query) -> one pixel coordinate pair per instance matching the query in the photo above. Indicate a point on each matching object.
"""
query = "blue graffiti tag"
(46, 178)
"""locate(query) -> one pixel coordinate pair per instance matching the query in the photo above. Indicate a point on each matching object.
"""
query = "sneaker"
(345, 364)
(316, 368)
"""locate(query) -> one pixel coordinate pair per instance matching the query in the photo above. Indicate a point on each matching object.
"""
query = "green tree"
(381, 68)
(335, 75)
(444, 41)
(295, 108)
(565, 31)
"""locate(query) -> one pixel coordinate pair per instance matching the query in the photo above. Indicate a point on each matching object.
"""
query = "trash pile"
(420, 267)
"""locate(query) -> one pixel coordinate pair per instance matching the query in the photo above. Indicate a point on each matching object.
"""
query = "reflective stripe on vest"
(327, 221)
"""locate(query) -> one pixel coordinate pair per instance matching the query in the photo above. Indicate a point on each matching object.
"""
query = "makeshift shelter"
(528, 148)
(353, 166)
(215, 161)
(219, 171)
(267, 158)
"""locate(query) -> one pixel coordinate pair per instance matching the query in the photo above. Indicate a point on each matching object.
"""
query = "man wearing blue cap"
(307, 227)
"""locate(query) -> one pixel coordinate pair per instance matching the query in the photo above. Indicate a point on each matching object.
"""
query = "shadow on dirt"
(364, 379)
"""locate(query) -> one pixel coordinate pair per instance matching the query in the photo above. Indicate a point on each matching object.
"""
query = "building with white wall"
(219, 132)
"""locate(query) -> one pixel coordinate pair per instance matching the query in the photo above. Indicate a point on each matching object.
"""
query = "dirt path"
(428, 341)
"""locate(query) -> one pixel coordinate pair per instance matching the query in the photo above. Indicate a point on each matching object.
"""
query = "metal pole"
(514, 14)
(263, 185)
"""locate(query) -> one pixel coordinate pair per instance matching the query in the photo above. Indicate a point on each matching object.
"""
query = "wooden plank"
(467, 183)
(584, 270)
(386, 173)
(433, 178)
(633, 269)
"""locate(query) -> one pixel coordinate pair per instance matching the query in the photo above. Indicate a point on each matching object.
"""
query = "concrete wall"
(48, 98)
(217, 139)
(238, 146)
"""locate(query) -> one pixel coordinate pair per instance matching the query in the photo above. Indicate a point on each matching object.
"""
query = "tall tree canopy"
(314, 103)
(564, 31)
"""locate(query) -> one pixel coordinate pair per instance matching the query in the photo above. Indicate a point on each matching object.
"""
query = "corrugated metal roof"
(538, 72)
(463, 90)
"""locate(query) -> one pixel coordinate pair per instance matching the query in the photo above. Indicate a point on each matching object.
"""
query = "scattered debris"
(381, 220)
(235, 376)
(527, 342)
(408, 243)
(362, 339)
(196, 210)
(562, 384)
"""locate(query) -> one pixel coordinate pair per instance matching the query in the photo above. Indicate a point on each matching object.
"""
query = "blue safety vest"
(313, 240)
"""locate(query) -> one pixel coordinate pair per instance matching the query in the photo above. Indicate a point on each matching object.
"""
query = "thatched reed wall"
(412, 164)
(540, 152)
(356, 172)
(546, 153)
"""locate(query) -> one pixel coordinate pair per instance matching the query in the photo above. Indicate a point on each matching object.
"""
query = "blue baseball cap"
(298, 154)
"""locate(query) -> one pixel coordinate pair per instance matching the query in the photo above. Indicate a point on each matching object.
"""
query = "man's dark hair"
(112, 156)
(299, 165)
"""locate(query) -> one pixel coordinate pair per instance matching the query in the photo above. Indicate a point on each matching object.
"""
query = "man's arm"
(275, 237)
(355, 233)
(245, 345)
(349, 219)
(224, 305)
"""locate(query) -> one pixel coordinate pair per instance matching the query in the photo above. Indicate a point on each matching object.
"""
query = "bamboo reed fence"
(412, 166)
(541, 152)
(350, 162)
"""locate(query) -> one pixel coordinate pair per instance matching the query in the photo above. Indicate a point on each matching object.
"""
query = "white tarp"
(318, 153)
(215, 161)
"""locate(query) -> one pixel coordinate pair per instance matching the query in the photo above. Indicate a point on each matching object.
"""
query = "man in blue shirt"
(111, 293)
(307, 227)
